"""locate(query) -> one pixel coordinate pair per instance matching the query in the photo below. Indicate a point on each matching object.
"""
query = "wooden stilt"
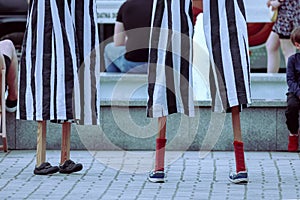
(41, 143)
(65, 142)
(3, 112)
(4, 144)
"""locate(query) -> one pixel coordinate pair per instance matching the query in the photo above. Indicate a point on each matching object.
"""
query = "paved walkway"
(122, 175)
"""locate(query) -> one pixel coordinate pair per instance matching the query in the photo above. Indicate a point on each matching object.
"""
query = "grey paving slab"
(119, 175)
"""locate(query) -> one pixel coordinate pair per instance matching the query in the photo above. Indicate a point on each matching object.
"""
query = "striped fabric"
(227, 40)
(169, 76)
(51, 56)
(84, 16)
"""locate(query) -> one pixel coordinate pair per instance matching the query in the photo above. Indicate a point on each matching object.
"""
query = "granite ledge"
(204, 103)
(255, 77)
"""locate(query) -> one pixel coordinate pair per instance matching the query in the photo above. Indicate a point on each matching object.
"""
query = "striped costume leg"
(48, 63)
(230, 72)
(169, 76)
(226, 37)
(84, 17)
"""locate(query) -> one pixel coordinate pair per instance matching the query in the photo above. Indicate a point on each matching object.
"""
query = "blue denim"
(123, 65)
(115, 61)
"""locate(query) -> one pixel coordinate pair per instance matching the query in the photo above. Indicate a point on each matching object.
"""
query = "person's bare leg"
(160, 144)
(287, 48)
(273, 53)
(238, 142)
(7, 48)
(65, 142)
(2, 102)
(2, 66)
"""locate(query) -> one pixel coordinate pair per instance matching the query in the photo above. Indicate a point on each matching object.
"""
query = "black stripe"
(169, 71)
(82, 90)
(153, 54)
(242, 8)
(212, 85)
(185, 55)
(33, 52)
(235, 51)
(48, 25)
(79, 24)
(248, 64)
(216, 49)
(68, 64)
(23, 71)
(93, 63)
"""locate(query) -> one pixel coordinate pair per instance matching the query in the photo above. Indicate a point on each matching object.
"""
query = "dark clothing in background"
(138, 21)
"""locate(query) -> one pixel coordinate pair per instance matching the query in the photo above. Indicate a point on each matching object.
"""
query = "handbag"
(273, 14)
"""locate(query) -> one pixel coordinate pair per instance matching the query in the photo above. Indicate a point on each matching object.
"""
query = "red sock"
(160, 154)
(239, 156)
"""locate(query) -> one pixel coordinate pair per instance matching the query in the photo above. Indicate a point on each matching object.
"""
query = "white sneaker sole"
(240, 180)
(11, 110)
(156, 180)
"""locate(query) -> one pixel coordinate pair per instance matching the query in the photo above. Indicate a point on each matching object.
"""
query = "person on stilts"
(169, 75)
(227, 41)
(50, 88)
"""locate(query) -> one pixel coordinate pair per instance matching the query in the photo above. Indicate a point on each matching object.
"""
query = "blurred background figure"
(129, 50)
(9, 60)
(288, 18)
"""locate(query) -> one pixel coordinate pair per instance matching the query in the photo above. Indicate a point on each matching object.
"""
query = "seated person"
(129, 51)
(293, 95)
(8, 59)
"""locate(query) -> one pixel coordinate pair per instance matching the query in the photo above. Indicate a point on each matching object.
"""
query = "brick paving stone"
(123, 175)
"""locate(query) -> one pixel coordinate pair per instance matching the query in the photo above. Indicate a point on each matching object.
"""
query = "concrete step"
(124, 125)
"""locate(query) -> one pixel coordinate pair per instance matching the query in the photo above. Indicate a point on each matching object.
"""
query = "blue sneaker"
(240, 177)
(156, 176)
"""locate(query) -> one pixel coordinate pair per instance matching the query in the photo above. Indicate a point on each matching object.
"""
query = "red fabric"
(239, 156)
(293, 143)
(160, 154)
(196, 12)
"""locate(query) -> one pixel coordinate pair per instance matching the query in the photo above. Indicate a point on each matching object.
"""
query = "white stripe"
(60, 101)
(242, 38)
(159, 95)
(73, 10)
(97, 44)
(76, 100)
(218, 107)
(191, 28)
(176, 51)
(227, 56)
(86, 53)
(97, 67)
(28, 94)
(52, 81)
(39, 60)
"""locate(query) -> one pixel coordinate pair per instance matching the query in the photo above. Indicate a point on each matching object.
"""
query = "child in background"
(293, 95)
